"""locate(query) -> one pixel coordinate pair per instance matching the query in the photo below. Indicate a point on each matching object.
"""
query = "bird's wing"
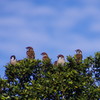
(78, 56)
(30, 54)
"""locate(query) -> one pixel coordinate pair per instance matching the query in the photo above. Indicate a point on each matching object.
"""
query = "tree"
(96, 67)
(32, 79)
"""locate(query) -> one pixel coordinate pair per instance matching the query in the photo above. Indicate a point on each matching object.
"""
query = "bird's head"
(55, 63)
(44, 54)
(78, 51)
(60, 56)
(29, 48)
(13, 57)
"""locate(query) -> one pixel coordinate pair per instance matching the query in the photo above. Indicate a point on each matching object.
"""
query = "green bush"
(32, 79)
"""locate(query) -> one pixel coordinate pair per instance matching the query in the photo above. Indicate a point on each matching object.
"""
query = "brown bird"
(78, 56)
(55, 63)
(45, 57)
(13, 60)
(30, 53)
(61, 60)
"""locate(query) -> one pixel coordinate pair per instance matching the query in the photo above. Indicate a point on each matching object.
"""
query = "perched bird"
(30, 53)
(13, 60)
(55, 63)
(78, 56)
(45, 57)
(61, 60)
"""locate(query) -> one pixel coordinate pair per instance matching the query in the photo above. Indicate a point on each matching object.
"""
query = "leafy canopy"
(32, 79)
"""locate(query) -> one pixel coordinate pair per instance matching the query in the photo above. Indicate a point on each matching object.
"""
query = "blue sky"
(53, 26)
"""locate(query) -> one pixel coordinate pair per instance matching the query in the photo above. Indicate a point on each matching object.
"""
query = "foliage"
(32, 79)
(96, 67)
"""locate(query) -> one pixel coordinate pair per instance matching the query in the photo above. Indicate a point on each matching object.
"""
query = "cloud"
(11, 22)
(27, 8)
(30, 23)
(39, 14)
(95, 27)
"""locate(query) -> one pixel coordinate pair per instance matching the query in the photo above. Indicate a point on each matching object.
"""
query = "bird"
(30, 53)
(61, 60)
(78, 56)
(45, 57)
(13, 60)
(55, 63)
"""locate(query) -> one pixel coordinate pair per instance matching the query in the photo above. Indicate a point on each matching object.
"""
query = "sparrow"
(61, 60)
(13, 60)
(55, 63)
(78, 56)
(30, 53)
(45, 57)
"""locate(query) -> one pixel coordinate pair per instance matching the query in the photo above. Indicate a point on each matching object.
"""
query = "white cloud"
(67, 18)
(26, 8)
(95, 27)
(11, 21)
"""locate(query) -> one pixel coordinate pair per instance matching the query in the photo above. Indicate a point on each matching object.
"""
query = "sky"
(51, 26)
